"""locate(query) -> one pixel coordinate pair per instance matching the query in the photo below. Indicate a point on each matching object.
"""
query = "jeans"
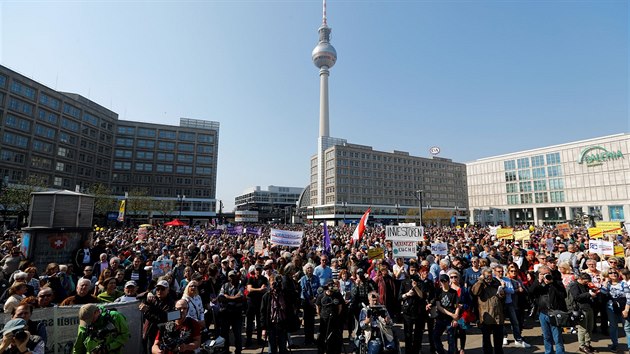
(413, 328)
(277, 340)
(510, 310)
(614, 320)
(440, 326)
(309, 321)
(494, 344)
(253, 314)
(375, 346)
(585, 328)
(551, 335)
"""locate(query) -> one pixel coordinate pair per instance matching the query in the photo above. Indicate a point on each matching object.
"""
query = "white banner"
(286, 238)
(62, 326)
(407, 233)
(439, 248)
(404, 248)
(493, 230)
(601, 247)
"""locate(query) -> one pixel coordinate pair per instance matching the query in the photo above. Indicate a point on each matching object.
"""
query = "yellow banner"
(121, 210)
(595, 232)
(619, 251)
(505, 233)
(521, 235)
(609, 227)
(376, 253)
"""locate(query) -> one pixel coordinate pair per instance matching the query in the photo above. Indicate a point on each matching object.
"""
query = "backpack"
(570, 301)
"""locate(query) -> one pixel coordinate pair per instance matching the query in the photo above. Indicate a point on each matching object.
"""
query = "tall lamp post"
(397, 213)
(345, 205)
(419, 196)
(180, 199)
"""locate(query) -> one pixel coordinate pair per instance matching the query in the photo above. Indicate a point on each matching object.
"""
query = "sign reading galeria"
(597, 155)
(404, 239)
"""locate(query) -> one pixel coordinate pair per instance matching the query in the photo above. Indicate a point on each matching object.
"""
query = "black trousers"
(492, 338)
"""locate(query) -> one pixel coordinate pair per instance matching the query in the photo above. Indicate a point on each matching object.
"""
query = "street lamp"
(345, 205)
(180, 199)
(419, 196)
(397, 213)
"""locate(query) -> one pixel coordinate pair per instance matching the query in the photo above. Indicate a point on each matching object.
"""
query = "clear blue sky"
(476, 78)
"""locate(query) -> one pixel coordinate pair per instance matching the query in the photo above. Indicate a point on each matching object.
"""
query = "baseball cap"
(13, 325)
(259, 266)
(444, 278)
(130, 283)
(86, 314)
(232, 273)
(162, 283)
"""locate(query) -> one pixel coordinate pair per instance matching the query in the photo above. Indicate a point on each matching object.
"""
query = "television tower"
(324, 57)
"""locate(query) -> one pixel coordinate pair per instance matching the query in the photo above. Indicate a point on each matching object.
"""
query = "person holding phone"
(549, 294)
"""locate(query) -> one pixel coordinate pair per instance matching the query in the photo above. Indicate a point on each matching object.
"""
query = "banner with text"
(408, 233)
(404, 248)
(563, 229)
(62, 324)
(522, 235)
(254, 231)
(286, 238)
(609, 227)
(505, 233)
(439, 248)
(602, 247)
(595, 232)
(376, 253)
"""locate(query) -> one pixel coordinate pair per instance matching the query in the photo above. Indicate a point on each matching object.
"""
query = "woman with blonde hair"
(16, 294)
(567, 273)
(195, 306)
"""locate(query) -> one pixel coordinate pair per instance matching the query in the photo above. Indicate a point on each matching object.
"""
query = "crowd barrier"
(62, 325)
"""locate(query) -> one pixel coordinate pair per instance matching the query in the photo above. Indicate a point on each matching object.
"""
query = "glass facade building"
(553, 184)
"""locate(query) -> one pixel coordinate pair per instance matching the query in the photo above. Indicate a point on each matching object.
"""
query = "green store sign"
(597, 155)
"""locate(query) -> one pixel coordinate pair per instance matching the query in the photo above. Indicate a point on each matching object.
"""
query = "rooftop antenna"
(325, 23)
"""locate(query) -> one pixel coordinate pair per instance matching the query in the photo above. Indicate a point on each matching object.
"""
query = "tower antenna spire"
(324, 21)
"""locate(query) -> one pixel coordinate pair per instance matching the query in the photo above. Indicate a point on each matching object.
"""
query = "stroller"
(382, 336)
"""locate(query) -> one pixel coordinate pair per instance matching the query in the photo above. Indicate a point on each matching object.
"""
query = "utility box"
(61, 209)
(59, 222)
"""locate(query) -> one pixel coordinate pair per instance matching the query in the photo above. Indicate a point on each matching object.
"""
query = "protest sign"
(376, 253)
(254, 231)
(619, 252)
(439, 248)
(505, 233)
(595, 232)
(404, 248)
(522, 235)
(609, 227)
(494, 229)
(161, 267)
(259, 244)
(409, 233)
(549, 244)
(286, 238)
(601, 247)
(563, 229)
(142, 233)
(214, 232)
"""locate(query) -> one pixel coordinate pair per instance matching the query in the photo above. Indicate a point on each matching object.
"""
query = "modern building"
(274, 204)
(553, 184)
(67, 141)
(392, 184)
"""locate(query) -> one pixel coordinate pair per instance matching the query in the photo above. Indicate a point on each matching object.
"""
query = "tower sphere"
(324, 54)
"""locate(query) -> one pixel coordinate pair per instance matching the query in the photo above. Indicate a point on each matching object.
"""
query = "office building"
(553, 184)
(67, 141)
(274, 204)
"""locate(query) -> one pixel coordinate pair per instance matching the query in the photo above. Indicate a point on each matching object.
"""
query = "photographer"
(584, 294)
(549, 295)
(374, 321)
(180, 336)
(490, 295)
(155, 309)
(329, 307)
(17, 340)
(101, 331)
(414, 309)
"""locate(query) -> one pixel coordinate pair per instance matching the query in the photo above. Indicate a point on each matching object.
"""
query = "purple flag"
(326, 239)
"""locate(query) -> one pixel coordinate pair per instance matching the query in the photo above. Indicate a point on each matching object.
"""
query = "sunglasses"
(181, 308)
(454, 277)
(44, 295)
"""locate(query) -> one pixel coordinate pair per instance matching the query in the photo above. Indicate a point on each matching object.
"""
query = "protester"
(490, 295)
(180, 336)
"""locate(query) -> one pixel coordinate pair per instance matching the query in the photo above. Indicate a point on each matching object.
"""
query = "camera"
(548, 277)
(20, 335)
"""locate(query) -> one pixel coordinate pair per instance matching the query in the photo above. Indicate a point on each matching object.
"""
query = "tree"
(16, 198)
(164, 207)
(104, 202)
(138, 202)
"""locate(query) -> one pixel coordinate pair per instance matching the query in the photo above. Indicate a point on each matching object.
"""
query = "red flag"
(358, 232)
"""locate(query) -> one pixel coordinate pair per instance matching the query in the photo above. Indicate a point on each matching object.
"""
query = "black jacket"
(554, 292)
(581, 296)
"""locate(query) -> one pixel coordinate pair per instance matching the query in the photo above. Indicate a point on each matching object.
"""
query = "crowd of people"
(223, 284)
